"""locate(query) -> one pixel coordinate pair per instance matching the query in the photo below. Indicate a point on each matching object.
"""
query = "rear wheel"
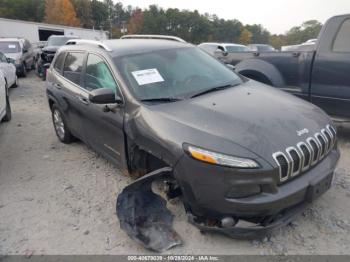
(61, 129)
(8, 114)
(16, 83)
(24, 70)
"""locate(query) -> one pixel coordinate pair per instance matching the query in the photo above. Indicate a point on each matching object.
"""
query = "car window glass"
(342, 40)
(98, 74)
(73, 66)
(59, 62)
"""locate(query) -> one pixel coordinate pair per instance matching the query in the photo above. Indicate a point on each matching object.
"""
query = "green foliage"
(28, 10)
(189, 25)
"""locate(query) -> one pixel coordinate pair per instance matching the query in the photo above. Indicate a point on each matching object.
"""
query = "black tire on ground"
(16, 83)
(60, 126)
(33, 64)
(8, 114)
(24, 70)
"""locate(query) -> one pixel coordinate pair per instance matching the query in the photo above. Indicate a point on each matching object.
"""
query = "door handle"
(296, 54)
(83, 100)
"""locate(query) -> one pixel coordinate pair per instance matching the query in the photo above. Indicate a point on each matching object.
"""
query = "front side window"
(173, 73)
(342, 40)
(73, 67)
(98, 74)
(238, 48)
(59, 62)
(3, 58)
(8, 47)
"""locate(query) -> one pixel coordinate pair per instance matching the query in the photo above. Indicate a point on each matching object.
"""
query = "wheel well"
(257, 76)
(141, 162)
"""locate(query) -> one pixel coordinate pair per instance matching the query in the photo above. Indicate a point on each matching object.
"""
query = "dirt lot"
(60, 199)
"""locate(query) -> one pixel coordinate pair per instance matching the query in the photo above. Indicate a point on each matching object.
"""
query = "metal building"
(35, 32)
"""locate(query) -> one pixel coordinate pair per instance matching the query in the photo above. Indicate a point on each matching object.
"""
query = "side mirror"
(104, 96)
(25, 51)
(219, 52)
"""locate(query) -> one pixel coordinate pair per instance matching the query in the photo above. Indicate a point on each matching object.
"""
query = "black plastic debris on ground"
(143, 215)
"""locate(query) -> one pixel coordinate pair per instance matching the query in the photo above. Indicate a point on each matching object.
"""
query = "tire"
(16, 83)
(60, 126)
(33, 64)
(8, 114)
(24, 70)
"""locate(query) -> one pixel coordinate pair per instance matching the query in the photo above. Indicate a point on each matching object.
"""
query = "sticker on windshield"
(12, 46)
(148, 76)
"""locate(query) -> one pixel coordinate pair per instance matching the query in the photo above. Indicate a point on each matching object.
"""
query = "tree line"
(118, 20)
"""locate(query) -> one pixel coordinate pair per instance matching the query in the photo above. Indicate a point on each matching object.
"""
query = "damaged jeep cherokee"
(244, 157)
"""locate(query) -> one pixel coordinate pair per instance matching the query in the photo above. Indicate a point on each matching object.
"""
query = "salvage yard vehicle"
(317, 71)
(226, 48)
(8, 69)
(21, 51)
(234, 150)
(5, 108)
(48, 52)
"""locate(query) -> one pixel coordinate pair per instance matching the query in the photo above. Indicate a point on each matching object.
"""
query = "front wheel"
(15, 84)
(8, 114)
(24, 70)
(61, 129)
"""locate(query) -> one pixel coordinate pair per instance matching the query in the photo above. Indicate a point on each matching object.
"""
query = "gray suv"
(236, 149)
(21, 51)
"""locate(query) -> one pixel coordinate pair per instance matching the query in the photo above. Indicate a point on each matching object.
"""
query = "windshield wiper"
(161, 99)
(213, 89)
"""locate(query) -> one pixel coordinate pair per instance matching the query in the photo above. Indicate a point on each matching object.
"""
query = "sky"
(277, 16)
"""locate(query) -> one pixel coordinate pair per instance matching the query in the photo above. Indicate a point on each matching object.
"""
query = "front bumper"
(205, 188)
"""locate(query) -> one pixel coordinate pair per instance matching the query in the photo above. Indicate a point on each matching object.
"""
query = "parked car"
(8, 70)
(224, 47)
(37, 49)
(239, 149)
(5, 108)
(48, 52)
(261, 48)
(21, 51)
(318, 73)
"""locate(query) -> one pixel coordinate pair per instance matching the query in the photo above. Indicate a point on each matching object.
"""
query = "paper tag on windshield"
(148, 76)
(12, 46)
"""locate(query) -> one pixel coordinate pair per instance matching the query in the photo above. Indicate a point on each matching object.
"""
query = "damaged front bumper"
(143, 214)
(144, 217)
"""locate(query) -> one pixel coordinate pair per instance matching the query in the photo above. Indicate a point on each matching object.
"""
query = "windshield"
(265, 48)
(234, 49)
(57, 41)
(10, 47)
(173, 73)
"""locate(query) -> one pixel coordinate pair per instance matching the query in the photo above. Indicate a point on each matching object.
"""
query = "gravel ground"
(60, 199)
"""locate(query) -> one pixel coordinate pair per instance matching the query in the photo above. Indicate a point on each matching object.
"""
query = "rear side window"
(73, 67)
(59, 62)
(342, 41)
(98, 74)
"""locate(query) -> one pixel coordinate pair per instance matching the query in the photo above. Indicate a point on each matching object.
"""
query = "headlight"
(220, 159)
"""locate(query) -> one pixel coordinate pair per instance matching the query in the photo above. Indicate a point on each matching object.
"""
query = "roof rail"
(88, 42)
(164, 37)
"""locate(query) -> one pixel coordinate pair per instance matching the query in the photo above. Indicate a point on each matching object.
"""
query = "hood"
(50, 48)
(258, 118)
(14, 56)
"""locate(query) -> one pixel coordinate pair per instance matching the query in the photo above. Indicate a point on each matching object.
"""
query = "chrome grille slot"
(333, 135)
(307, 155)
(322, 143)
(328, 138)
(296, 160)
(315, 148)
(283, 164)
